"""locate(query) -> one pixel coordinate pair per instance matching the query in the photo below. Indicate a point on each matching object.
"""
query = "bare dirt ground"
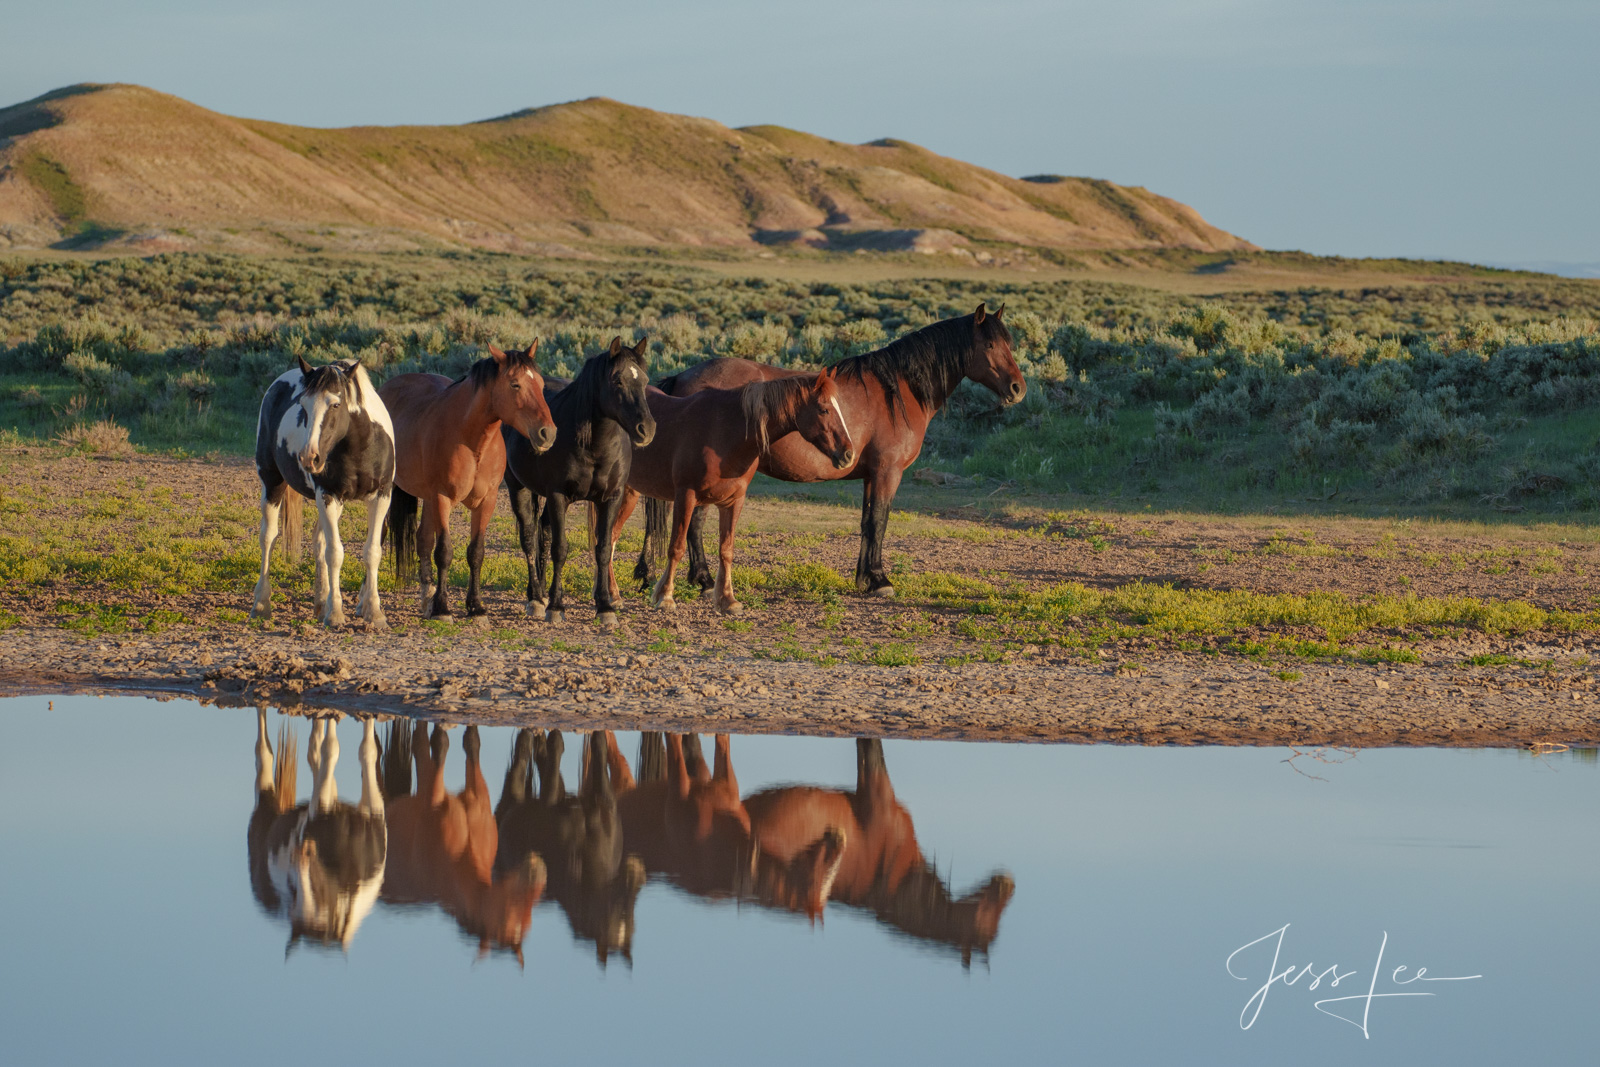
(800, 660)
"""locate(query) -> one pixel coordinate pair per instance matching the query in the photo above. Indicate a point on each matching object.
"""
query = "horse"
(707, 448)
(686, 822)
(325, 434)
(580, 838)
(888, 397)
(444, 847)
(601, 417)
(449, 451)
(319, 864)
(883, 869)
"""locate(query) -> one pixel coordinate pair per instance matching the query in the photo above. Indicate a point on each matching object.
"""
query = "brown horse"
(883, 869)
(442, 847)
(888, 398)
(686, 822)
(707, 449)
(449, 451)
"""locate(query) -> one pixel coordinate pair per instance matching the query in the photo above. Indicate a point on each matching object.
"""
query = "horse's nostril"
(1016, 388)
(642, 430)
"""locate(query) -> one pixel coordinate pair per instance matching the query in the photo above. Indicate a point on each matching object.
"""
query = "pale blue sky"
(1438, 128)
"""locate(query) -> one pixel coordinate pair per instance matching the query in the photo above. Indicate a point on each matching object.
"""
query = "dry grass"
(103, 437)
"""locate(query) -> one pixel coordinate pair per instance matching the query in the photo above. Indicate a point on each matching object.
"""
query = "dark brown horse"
(883, 869)
(580, 838)
(887, 398)
(706, 451)
(448, 451)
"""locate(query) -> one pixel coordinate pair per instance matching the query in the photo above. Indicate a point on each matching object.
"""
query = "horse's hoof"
(732, 607)
(377, 623)
(474, 612)
(608, 619)
(534, 608)
(555, 615)
(884, 591)
(667, 604)
(261, 615)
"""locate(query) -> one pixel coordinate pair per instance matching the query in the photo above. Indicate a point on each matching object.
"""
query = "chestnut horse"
(448, 451)
(707, 448)
(686, 822)
(883, 869)
(888, 398)
(601, 419)
(443, 847)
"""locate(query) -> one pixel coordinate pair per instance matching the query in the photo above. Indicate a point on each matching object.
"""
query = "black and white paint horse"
(319, 864)
(324, 435)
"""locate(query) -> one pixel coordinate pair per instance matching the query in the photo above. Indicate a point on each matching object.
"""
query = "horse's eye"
(516, 386)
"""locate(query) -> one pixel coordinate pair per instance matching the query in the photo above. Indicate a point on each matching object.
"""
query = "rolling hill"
(125, 166)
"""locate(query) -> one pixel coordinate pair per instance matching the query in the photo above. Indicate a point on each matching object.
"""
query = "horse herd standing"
(423, 444)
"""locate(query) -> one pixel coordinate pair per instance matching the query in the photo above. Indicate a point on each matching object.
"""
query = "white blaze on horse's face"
(313, 410)
(834, 400)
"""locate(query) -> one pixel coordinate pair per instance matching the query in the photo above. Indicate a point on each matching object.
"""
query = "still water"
(163, 901)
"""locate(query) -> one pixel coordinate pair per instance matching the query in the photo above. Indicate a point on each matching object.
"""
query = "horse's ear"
(531, 349)
(305, 368)
(979, 315)
(1001, 310)
(499, 356)
(642, 349)
(616, 346)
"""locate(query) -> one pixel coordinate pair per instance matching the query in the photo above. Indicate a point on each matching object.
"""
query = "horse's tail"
(652, 756)
(285, 766)
(396, 770)
(402, 524)
(655, 540)
(293, 524)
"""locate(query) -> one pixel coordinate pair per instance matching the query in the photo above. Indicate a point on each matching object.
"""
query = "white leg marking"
(329, 509)
(369, 607)
(371, 793)
(325, 793)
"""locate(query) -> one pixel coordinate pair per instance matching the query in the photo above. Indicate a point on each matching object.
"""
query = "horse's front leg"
(480, 531)
(319, 552)
(728, 514)
(368, 606)
(699, 569)
(554, 526)
(885, 486)
(625, 506)
(272, 508)
(325, 790)
(608, 521)
(525, 510)
(371, 791)
(682, 509)
(329, 510)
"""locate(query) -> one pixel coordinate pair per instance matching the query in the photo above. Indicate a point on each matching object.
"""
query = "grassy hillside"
(124, 166)
(1472, 395)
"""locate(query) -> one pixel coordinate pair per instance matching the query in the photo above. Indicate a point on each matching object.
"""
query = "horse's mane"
(762, 400)
(930, 361)
(486, 370)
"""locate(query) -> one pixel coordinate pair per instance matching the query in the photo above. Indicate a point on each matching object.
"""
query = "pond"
(840, 901)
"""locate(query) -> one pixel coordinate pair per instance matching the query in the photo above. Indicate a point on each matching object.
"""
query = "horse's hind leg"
(272, 508)
(371, 791)
(699, 568)
(325, 791)
(439, 508)
(728, 515)
(263, 754)
(480, 529)
(525, 509)
(368, 606)
(877, 497)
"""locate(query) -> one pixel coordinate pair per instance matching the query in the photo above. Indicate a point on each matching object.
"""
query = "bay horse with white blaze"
(324, 434)
(888, 398)
(707, 448)
(601, 417)
(449, 451)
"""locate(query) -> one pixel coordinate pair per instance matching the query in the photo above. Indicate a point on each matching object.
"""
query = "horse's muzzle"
(643, 435)
(843, 461)
(1019, 389)
(311, 462)
(542, 439)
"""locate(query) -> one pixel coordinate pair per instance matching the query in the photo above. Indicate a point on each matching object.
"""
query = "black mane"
(486, 370)
(930, 361)
(576, 405)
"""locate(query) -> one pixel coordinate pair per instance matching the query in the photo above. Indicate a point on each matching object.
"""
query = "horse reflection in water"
(882, 868)
(580, 838)
(320, 864)
(443, 846)
(796, 847)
